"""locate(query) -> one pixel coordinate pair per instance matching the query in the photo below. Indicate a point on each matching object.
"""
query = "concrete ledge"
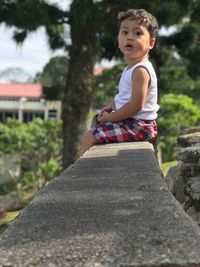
(111, 208)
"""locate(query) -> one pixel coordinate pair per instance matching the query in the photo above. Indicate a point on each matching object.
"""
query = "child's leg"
(89, 140)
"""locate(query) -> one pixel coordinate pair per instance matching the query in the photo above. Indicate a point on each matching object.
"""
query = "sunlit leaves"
(39, 146)
(177, 112)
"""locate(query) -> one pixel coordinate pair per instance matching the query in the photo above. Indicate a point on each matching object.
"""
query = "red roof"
(21, 90)
(99, 70)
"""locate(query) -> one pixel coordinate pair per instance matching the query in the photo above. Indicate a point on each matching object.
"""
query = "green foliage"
(8, 187)
(28, 181)
(39, 146)
(193, 62)
(105, 86)
(49, 169)
(176, 79)
(53, 78)
(45, 172)
(167, 165)
(15, 75)
(28, 15)
(8, 217)
(177, 111)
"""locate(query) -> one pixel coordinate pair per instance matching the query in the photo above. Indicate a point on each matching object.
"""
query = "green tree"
(105, 85)
(53, 78)
(38, 144)
(15, 75)
(175, 79)
(83, 54)
(177, 112)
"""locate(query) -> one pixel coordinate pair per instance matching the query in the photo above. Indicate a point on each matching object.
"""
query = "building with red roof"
(18, 90)
(26, 102)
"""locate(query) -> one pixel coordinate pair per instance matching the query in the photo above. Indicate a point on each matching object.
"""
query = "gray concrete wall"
(111, 208)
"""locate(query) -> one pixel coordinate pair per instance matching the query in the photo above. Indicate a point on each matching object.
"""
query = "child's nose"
(130, 37)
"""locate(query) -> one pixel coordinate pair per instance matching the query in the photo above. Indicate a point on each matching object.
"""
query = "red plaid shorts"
(125, 131)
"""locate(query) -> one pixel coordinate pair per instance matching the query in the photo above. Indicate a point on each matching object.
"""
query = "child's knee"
(90, 136)
(87, 134)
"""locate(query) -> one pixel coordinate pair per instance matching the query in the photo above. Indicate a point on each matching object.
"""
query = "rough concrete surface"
(111, 208)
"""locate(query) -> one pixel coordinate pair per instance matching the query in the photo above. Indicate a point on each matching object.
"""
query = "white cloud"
(33, 54)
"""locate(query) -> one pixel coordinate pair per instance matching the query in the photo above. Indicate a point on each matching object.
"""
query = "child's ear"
(152, 43)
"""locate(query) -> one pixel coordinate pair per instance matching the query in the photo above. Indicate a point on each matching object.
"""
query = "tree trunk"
(83, 55)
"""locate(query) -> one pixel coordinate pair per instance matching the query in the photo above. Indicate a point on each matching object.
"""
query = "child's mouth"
(128, 46)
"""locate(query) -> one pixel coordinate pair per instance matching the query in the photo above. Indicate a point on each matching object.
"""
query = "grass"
(6, 218)
(165, 166)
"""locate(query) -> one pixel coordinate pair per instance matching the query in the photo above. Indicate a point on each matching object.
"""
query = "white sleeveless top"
(149, 111)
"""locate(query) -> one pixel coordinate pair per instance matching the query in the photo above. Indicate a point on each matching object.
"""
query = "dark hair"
(143, 17)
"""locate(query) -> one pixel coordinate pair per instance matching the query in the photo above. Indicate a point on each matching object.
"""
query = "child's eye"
(138, 33)
(124, 32)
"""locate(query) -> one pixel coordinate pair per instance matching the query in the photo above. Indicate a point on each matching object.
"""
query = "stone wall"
(184, 179)
(110, 209)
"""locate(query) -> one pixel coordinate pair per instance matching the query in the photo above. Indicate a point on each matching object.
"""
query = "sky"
(34, 54)
(31, 56)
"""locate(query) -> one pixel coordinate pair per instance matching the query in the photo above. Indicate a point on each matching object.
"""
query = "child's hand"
(109, 108)
(104, 117)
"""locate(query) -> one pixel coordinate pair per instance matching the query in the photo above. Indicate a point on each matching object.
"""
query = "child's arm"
(109, 108)
(140, 81)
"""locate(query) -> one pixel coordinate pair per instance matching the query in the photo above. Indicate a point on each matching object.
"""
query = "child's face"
(134, 40)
